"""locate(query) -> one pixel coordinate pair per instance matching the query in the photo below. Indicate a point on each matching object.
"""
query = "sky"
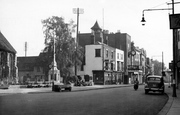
(20, 22)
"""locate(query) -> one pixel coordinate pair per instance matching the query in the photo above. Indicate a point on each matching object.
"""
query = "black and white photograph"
(89, 57)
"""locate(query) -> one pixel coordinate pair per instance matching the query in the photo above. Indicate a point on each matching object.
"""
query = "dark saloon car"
(154, 83)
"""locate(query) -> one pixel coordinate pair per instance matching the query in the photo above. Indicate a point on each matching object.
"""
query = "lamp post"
(143, 21)
(174, 57)
(77, 11)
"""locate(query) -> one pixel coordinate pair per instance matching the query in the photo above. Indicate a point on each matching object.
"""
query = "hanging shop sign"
(174, 21)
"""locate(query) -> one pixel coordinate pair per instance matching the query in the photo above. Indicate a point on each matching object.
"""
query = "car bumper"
(154, 89)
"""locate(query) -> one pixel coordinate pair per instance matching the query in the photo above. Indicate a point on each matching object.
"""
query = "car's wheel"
(162, 92)
(146, 91)
(70, 89)
(60, 90)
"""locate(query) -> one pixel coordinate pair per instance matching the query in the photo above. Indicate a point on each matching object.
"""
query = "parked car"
(46, 84)
(30, 84)
(61, 86)
(154, 83)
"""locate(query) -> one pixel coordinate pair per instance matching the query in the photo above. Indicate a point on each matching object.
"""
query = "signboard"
(134, 67)
(174, 21)
(171, 66)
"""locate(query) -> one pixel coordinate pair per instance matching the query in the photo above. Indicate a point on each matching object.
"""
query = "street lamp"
(77, 11)
(143, 19)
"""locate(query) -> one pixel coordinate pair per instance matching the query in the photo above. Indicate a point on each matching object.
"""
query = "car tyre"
(146, 91)
(70, 89)
(162, 92)
(60, 90)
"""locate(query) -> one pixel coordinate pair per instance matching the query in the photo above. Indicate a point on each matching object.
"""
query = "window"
(97, 52)
(153, 79)
(117, 55)
(106, 53)
(118, 66)
(112, 66)
(122, 65)
(112, 54)
(106, 66)
(121, 56)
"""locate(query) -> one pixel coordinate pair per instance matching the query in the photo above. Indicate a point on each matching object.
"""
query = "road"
(115, 101)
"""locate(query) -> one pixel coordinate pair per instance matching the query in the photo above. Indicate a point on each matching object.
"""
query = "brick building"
(8, 68)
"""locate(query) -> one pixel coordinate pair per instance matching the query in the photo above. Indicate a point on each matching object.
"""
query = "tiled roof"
(5, 45)
(26, 63)
(96, 26)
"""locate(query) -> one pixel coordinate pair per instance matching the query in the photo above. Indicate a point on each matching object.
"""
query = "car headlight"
(145, 85)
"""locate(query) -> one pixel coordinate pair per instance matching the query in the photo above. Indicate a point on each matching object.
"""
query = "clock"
(133, 52)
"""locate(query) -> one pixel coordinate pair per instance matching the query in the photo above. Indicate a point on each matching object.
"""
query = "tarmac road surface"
(113, 101)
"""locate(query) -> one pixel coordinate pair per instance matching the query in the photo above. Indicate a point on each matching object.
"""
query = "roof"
(154, 76)
(85, 39)
(96, 26)
(5, 45)
(26, 63)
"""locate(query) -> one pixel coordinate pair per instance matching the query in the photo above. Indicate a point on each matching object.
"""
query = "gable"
(5, 45)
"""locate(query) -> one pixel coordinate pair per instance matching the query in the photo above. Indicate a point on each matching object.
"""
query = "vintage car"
(154, 83)
(61, 86)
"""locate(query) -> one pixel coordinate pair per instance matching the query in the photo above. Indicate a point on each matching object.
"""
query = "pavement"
(15, 89)
(172, 107)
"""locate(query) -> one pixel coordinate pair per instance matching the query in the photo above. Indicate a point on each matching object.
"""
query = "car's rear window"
(154, 79)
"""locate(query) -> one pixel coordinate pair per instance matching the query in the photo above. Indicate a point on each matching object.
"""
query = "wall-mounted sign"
(174, 21)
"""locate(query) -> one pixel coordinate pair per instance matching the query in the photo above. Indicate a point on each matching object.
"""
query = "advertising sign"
(174, 21)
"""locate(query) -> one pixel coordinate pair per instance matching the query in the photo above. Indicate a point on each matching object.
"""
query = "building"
(104, 63)
(137, 66)
(121, 41)
(118, 40)
(30, 70)
(148, 66)
(143, 56)
(8, 68)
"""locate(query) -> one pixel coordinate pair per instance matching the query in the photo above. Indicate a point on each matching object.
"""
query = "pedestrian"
(136, 84)
(136, 81)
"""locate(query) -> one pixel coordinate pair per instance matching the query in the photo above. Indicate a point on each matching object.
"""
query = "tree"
(55, 29)
(158, 67)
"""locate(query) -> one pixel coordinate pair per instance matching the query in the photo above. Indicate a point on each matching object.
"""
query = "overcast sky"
(20, 22)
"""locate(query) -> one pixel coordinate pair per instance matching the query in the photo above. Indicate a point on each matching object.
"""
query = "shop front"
(101, 77)
(133, 73)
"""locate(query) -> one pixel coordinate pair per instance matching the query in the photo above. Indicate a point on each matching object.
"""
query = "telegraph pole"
(25, 49)
(174, 57)
(77, 11)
